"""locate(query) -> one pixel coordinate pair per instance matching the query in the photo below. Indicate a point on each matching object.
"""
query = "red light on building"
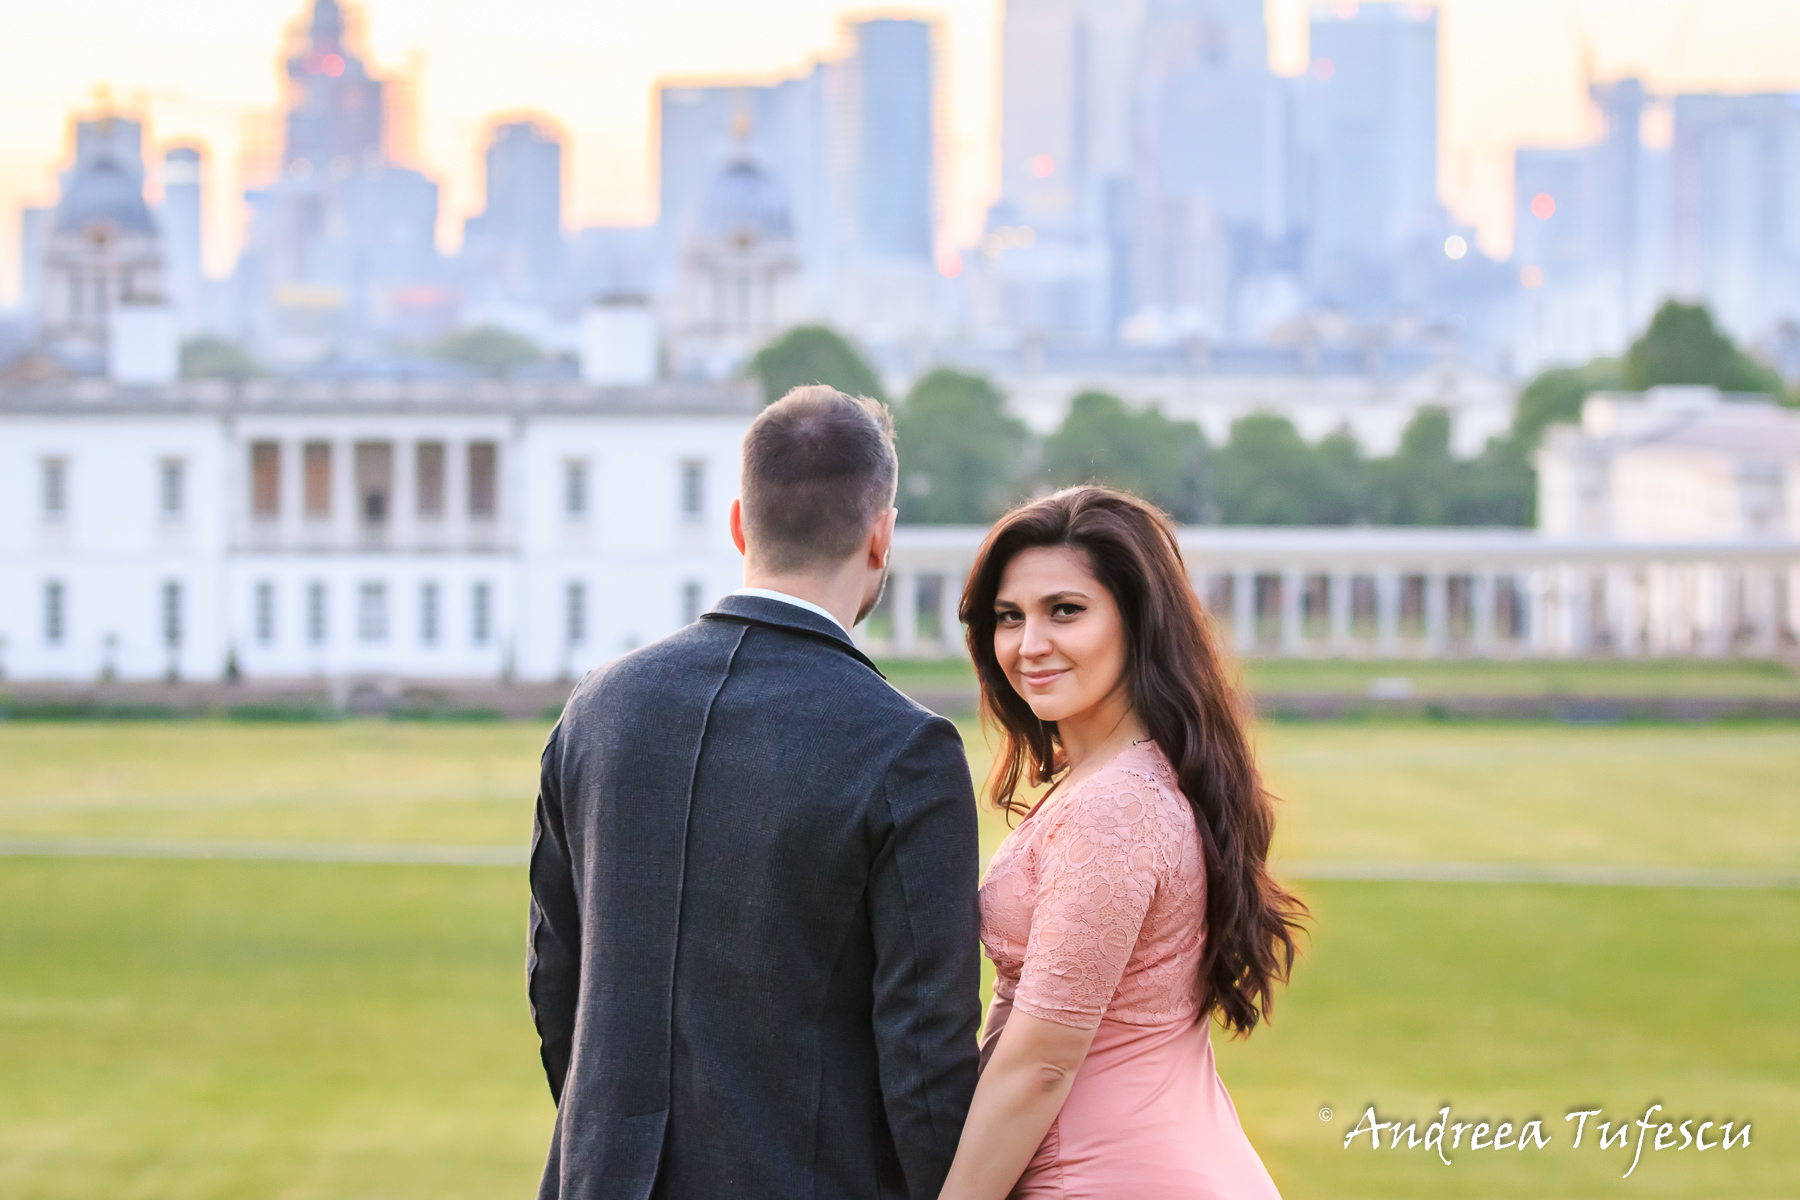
(1323, 69)
(333, 65)
(1543, 206)
(1043, 166)
(950, 265)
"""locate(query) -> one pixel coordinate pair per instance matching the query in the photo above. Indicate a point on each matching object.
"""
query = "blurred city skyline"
(1511, 72)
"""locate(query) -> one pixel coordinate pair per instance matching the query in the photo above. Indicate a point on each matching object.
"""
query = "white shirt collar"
(797, 602)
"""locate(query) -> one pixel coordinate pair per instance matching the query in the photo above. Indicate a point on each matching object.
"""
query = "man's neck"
(838, 595)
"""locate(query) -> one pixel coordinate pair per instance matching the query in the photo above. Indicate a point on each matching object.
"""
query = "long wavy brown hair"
(1179, 686)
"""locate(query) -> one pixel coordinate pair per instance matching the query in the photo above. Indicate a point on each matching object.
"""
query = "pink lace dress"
(1093, 913)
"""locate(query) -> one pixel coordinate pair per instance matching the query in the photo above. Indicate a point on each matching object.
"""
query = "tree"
(1144, 453)
(960, 453)
(1339, 494)
(813, 354)
(1497, 487)
(1555, 398)
(1265, 474)
(1683, 346)
(489, 350)
(216, 358)
(1416, 485)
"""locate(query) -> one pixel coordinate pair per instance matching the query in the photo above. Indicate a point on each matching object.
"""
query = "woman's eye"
(1006, 618)
(1067, 610)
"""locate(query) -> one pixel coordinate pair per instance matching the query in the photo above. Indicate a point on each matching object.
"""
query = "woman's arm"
(1020, 1093)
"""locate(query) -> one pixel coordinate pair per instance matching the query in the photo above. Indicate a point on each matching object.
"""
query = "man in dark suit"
(753, 953)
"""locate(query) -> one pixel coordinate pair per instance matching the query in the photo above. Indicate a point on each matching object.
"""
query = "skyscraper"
(895, 171)
(334, 109)
(518, 238)
(1211, 180)
(1369, 141)
(1737, 207)
(343, 229)
(182, 271)
(1057, 247)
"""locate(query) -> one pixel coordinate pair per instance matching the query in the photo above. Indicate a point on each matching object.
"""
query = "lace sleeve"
(1098, 873)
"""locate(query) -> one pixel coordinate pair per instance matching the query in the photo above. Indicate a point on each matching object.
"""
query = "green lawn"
(199, 1030)
(1452, 677)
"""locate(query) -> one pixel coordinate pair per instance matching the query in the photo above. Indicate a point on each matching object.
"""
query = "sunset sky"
(1510, 72)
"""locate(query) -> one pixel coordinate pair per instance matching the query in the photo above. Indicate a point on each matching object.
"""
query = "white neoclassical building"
(1673, 462)
(293, 529)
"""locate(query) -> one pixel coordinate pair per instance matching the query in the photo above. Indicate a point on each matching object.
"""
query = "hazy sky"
(1510, 71)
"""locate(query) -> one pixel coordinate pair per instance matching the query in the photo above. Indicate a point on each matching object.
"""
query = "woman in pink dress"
(1131, 907)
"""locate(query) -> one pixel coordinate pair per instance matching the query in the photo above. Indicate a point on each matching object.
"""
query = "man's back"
(754, 923)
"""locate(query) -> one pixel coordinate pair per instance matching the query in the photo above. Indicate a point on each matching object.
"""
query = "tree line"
(964, 459)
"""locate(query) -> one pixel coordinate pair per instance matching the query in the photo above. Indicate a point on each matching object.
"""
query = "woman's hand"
(1022, 1089)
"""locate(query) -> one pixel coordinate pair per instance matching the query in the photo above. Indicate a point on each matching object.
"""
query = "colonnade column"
(1537, 610)
(1623, 610)
(1340, 611)
(1243, 610)
(1658, 611)
(1437, 613)
(1293, 587)
(904, 608)
(1712, 608)
(1759, 582)
(949, 625)
(1481, 612)
(1387, 612)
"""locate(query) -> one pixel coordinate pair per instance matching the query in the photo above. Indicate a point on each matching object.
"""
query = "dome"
(745, 203)
(103, 192)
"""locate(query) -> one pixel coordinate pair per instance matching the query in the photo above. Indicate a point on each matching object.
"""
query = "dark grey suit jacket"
(753, 957)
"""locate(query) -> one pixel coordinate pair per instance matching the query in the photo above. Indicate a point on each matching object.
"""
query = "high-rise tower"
(1369, 136)
(181, 215)
(335, 113)
(518, 238)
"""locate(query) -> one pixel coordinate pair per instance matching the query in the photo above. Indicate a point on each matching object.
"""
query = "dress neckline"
(1052, 793)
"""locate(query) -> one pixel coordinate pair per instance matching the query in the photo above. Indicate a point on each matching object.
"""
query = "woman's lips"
(1042, 678)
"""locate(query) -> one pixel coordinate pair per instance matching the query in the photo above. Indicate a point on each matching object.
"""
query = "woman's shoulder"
(1136, 792)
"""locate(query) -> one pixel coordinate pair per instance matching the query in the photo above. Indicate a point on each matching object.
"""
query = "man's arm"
(553, 961)
(927, 928)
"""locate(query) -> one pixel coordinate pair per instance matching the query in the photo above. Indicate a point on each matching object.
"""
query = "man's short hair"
(818, 466)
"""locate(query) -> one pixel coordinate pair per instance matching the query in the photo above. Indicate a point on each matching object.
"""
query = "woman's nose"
(1035, 643)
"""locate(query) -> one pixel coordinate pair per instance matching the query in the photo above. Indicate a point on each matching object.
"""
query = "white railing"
(1407, 592)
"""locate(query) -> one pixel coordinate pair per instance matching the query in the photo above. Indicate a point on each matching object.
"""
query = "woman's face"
(1058, 633)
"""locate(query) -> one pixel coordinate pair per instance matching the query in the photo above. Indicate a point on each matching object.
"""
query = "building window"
(428, 614)
(315, 613)
(170, 489)
(483, 491)
(54, 616)
(171, 614)
(575, 488)
(316, 458)
(429, 471)
(481, 614)
(265, 480)
(373, 463)
(371, 612)
(693, 489)
(690, 603)
(265, 613)
(574, 613)
(56, 488)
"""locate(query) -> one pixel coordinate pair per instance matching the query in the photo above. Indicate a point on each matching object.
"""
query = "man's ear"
(881, 539)
(737, 525)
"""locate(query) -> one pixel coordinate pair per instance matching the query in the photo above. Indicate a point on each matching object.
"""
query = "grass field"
(228, 1029)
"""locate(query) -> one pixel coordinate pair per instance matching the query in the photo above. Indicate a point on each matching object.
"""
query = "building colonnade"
(1425, 593)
